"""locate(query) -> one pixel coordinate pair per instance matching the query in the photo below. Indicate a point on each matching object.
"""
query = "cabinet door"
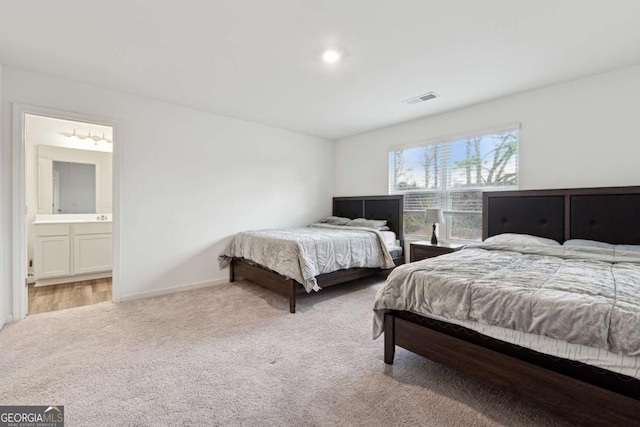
(92, 253)
(51, 257)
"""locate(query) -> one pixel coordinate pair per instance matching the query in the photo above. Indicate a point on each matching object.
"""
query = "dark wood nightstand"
(424, 249)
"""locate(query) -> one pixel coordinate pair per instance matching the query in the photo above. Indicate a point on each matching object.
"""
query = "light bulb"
(331, 56)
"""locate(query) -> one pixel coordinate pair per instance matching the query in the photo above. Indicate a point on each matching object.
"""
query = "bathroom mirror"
(74, 188)
(73, 181)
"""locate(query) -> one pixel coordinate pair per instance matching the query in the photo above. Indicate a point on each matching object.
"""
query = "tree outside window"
(452, 175)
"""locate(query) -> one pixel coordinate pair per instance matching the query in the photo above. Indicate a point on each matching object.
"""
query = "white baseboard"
(4, 320)
(71, 279)
(174, 289)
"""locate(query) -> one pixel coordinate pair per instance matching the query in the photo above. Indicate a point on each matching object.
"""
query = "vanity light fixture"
(331, 56)
(94, 138)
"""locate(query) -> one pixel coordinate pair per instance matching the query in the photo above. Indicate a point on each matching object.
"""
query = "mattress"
(389, 238)
(302, 253)
(395, 251)
(571, 303)
(600, 358)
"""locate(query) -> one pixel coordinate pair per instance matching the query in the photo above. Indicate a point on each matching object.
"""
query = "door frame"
(19, 266)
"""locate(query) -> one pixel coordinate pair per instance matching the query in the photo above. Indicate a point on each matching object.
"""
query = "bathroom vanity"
(69, 214)
(72, 249)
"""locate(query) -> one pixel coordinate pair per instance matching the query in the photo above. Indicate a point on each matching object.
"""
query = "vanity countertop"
(69, 221)
(72, 218)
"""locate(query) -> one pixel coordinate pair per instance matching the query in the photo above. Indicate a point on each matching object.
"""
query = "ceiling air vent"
(421, 98)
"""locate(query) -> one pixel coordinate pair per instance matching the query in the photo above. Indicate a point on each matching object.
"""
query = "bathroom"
(68, 184)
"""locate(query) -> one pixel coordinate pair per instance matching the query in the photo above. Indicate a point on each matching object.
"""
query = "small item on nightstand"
(434, 216)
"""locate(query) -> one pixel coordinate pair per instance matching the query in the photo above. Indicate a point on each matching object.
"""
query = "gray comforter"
(583, 296)
(305, 252)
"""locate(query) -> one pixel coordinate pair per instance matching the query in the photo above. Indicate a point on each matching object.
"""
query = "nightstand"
(424, 249)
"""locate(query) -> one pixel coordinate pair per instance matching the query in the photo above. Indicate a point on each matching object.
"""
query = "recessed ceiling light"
(331, 56)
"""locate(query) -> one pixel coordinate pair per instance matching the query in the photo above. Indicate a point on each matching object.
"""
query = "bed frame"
(582, 393)
(390, 208)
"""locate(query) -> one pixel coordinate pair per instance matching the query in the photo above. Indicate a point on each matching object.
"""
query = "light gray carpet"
(233, 355)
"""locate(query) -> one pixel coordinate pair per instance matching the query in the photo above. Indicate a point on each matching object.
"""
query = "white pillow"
(629, 248)
(521, 239)
(335, 220)
(588, 244)
(371, 223)
(595, 244)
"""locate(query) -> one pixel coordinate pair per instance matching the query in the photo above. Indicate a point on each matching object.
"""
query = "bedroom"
(189, 178)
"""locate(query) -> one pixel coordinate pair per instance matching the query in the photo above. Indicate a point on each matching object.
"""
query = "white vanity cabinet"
(92, 248)
(72, 251)
(52, 252)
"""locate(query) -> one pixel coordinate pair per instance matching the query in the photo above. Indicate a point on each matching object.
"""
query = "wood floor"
(68, 295)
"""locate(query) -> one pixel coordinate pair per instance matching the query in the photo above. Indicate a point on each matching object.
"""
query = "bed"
(584, 391)
(389, 208)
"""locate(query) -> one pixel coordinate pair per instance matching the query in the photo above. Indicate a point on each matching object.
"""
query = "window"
(451, 174)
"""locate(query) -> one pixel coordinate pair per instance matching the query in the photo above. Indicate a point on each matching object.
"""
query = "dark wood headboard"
(606, 214)
(390, 208)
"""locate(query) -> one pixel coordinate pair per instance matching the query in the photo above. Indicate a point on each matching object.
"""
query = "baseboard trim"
(72, 279)
(174, 289)
(5, 320)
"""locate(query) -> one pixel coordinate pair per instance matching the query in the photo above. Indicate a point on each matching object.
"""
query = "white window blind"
(451, 174)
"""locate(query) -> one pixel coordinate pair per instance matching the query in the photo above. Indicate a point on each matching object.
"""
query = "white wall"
(5, 226)
(582, 133)
(189, 179)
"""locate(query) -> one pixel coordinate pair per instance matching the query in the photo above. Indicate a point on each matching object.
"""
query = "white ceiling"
(260, 60)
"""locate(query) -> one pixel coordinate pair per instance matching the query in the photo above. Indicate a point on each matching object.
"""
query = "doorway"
(67, 182)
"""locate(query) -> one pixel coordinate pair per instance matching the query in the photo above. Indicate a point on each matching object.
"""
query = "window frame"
(444, 230)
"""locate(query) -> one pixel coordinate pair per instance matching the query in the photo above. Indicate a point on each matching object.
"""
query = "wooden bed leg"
(389, 339)
(232, 276)
(292, 297)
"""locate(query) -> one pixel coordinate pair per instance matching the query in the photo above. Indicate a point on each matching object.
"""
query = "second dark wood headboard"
(606, 214)
(390, 208)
